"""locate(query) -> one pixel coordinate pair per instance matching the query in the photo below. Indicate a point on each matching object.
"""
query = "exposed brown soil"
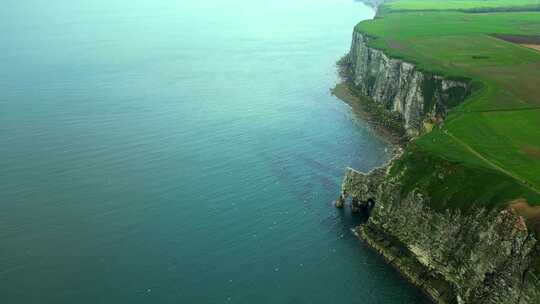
(531, 151)
(531, 214)
(532, 46)
(520, 39)
(532, 41)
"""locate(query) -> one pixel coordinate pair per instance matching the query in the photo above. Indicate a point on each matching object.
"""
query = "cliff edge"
(443, 211)
(422, 99)
(481, 256)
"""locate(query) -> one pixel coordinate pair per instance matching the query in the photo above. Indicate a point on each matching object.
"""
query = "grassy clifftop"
(461, 5)
(488, 149)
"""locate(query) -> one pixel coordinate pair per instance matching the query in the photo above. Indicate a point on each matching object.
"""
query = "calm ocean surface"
(181, 152)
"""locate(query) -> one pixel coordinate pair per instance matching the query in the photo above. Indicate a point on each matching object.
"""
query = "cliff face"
(479, 257)
(421, 98)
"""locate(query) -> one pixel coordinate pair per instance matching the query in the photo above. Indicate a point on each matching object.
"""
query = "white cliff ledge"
(482, 256)
(423, 99)
(454, 256)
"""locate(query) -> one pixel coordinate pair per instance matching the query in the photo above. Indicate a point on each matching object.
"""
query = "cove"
(181, 152)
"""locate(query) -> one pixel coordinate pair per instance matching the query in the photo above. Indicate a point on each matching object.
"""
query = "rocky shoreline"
(482, 256)
(359, 105)
(479, 256)
(407, 100)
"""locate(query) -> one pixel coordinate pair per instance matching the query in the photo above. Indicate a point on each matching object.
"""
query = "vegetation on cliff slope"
(488, 148)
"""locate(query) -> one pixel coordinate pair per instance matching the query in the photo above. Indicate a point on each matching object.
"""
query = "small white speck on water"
(276, 269)
(230, 281)
(228, 298)
(149, 290)
(301, 265)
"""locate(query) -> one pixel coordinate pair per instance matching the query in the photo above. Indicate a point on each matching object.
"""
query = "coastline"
(364, 109)
(451, 255)
(343, 92)
(416, 274)
(394, 256)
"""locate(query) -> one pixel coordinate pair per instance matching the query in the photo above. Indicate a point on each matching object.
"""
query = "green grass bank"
(487, 151)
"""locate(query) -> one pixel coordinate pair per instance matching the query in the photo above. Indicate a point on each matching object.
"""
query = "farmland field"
(494, 136)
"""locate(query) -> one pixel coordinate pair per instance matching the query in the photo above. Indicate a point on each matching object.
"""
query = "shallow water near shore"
(181, 152)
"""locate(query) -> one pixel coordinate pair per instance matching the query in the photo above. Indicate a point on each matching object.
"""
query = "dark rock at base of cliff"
(483, 256)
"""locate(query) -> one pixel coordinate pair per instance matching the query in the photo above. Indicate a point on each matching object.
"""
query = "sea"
(182, 151)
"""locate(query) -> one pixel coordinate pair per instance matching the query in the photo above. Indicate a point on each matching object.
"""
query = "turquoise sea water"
(181, 152)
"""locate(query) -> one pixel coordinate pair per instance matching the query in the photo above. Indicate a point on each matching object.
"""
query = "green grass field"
(494, 137)
(402, 5)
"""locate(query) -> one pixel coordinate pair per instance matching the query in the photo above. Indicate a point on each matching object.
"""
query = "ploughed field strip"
(532, 42)
(497, 130)
(519, 39)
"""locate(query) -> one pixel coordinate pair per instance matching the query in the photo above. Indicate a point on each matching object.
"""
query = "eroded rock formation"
(423, 99)
(476, 257)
